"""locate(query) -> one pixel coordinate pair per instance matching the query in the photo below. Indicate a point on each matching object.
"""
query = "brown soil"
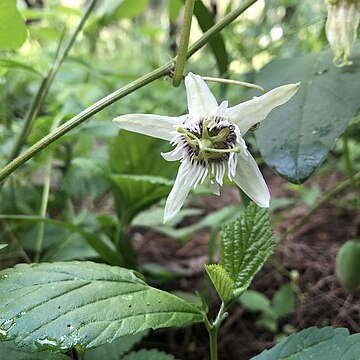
(311, 251)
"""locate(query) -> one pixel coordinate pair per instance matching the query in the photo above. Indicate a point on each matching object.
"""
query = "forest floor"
(311, 251)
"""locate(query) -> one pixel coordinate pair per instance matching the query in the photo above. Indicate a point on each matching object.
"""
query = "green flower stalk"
(341, 26)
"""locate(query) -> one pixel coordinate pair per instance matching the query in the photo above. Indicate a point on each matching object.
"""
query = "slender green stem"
(184, 42)
(330, 195)
(118, 94)
(244, 198)
(46, 84)
(213, 329)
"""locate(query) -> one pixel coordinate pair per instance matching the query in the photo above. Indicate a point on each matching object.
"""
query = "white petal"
(173, 155)
(249, 179)
(249, 113)
(221, 111)
(178, 193)
(158, 126)
(201, 102)
(215, 188)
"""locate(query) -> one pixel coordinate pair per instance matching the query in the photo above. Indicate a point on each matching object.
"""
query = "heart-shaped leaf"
(296, 137)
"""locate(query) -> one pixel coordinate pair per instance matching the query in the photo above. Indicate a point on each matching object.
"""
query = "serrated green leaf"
(222, 282)
(84, 304)
(153, 354)
(245, 246)
(116, 349)
(134, 193)
(9, 351)
(313, 343)
(296, 137)
(13, 31)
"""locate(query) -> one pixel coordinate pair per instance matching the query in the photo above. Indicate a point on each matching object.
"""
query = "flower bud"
(341, 26)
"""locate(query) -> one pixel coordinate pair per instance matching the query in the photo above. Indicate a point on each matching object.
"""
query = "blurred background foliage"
(95, 169)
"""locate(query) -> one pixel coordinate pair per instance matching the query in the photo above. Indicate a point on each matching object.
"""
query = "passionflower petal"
(208, 141)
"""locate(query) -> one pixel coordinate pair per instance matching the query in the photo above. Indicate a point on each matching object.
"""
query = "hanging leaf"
(13, 32)
(296, 137)
(313, 343)
(63, 305)
(245, 246)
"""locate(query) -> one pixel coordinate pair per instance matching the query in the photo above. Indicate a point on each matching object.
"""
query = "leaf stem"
(184, 42)
(46, 84)
(118, 94)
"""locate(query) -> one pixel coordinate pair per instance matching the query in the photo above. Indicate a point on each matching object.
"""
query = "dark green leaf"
(216, 43)
(103, 248)
(245, 246)
(296, 137)
(314, 343)
(83, 304)
(134, 193)
(114, 350)
(13, 31)
(144, 354)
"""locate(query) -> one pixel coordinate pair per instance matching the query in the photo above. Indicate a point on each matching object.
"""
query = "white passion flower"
(208, 141)
(341, 27)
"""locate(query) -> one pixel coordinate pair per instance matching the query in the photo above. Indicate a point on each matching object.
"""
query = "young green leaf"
(144, 354)
(13, 31)
(296, 137)
(83, 304)
(284, 300)
(8, 350)
(245, 246)
(313, 343)
(222, 282)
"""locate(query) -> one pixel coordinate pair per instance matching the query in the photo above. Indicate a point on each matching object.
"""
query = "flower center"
(211, 139)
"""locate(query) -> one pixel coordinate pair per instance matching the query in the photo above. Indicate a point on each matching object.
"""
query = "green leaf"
(131, 8)
(216, 43)
(114, 350)
(284, 300)
(2, 246)
(245, 246)
(144, 354)
(8, 350)
(136, 154)
(104, 249)
(83, 304)
(16, 65)
(255, 301)
(222, 282)
(174, 9)
(313, 343)
(134, 193)
(296, 137)
(13, 32)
